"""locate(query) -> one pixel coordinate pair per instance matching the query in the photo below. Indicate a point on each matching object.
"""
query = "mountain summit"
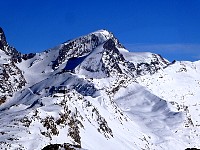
(92, 93)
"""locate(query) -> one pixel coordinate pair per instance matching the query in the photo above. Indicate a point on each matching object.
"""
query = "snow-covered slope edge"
(179, 84)
(86, 93)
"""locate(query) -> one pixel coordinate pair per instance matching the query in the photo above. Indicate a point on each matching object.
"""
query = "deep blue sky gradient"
(168, 27)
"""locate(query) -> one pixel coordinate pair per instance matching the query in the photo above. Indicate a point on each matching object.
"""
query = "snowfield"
(91, 93)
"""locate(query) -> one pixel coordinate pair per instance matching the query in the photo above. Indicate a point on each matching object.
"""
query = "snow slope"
(91, 93)
(179, 85)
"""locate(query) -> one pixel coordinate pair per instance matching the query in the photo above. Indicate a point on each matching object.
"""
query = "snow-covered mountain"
(92, 93)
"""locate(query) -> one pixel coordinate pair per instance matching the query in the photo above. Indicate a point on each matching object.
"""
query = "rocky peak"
(100, 53)
(105, 61)
(11, 77)
(10, 51)
(2, 39)
(83, 45)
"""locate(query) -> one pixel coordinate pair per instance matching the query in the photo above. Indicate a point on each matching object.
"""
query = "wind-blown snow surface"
(91, 92)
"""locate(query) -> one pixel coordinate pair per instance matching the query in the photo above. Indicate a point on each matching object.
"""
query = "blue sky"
(168, 27)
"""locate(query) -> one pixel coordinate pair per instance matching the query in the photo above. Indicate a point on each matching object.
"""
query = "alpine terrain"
(91, 93)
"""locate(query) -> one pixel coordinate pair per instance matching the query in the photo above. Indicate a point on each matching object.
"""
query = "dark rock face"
(152, 67)
(11, 80)
(28, 56)
(1, 30)
(109, 45)
(112, 58)
(65, 146)
(79, 47)
(2, 39)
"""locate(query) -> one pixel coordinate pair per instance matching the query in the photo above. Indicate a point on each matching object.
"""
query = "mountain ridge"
(90, 91)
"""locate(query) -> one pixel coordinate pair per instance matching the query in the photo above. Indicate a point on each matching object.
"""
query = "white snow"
(152, 111)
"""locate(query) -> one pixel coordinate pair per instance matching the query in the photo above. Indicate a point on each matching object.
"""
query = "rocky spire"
(11, 51)
(2, 39)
